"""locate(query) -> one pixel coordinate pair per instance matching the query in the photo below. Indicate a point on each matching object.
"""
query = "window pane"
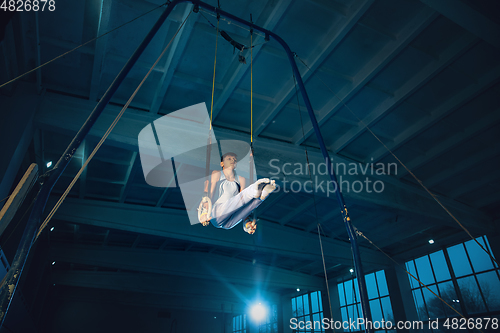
(345, 317)
(371, 286)
(440, 267)
(449, 295)
(349, 292)
(424, 270)
(387, 308)
(306, 305)
(419, 304)
(490, 286)
(320, 300)
(410, 267)
(431, 301)
(294, 307)
(317, 322)
(481, 261)
(352, 311)
(382, 283)
(314, 302)
(340, 287)
(300, 306)
(470, 295)
(459, 260)
(376, 310)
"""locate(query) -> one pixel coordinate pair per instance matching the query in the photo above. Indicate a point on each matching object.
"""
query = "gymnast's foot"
(268, 189)
(260, 185)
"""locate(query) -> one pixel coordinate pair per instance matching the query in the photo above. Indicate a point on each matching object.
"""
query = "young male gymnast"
(234, 202)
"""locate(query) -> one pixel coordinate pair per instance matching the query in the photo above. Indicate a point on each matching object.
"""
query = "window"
(464, 276)
(240, 324)
(308, 308)
(378, 297)
(270, 323)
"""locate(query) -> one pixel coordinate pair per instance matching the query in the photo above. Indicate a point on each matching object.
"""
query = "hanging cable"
(111, 127)
(404, 166)
(324, 269)
(76, 48)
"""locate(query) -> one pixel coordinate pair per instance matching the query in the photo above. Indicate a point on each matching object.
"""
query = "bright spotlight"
(351, 270)
(431, 241)
(258, 312)
(49, 164)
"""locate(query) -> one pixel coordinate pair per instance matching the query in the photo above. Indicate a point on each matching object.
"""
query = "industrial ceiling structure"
(414, 79)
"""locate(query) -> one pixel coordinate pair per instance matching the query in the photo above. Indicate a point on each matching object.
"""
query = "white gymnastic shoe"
(260, 185)
(268, 189)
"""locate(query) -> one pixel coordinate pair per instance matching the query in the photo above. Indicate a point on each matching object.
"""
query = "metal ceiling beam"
(391, 49)
(487, 178)
(481, 125)
(472, 160)
(240, 69)
(468, 18)
(331, 6)
(131, 171)
(332, 38)
(171, 182)
(273, 239)
(485, 201)
(297, 211)
(458, 100)
(197, 265)
(100, 48)
(176, 50)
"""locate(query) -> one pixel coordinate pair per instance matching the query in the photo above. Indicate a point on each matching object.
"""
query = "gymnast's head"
(228, 160)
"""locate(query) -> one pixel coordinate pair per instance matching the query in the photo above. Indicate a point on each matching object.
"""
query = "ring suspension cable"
(404, 166)
(359, 233)
(76, 48)
(252, 159)
(251, 85)
(213, 79)
(209, 140)
(111, 127)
